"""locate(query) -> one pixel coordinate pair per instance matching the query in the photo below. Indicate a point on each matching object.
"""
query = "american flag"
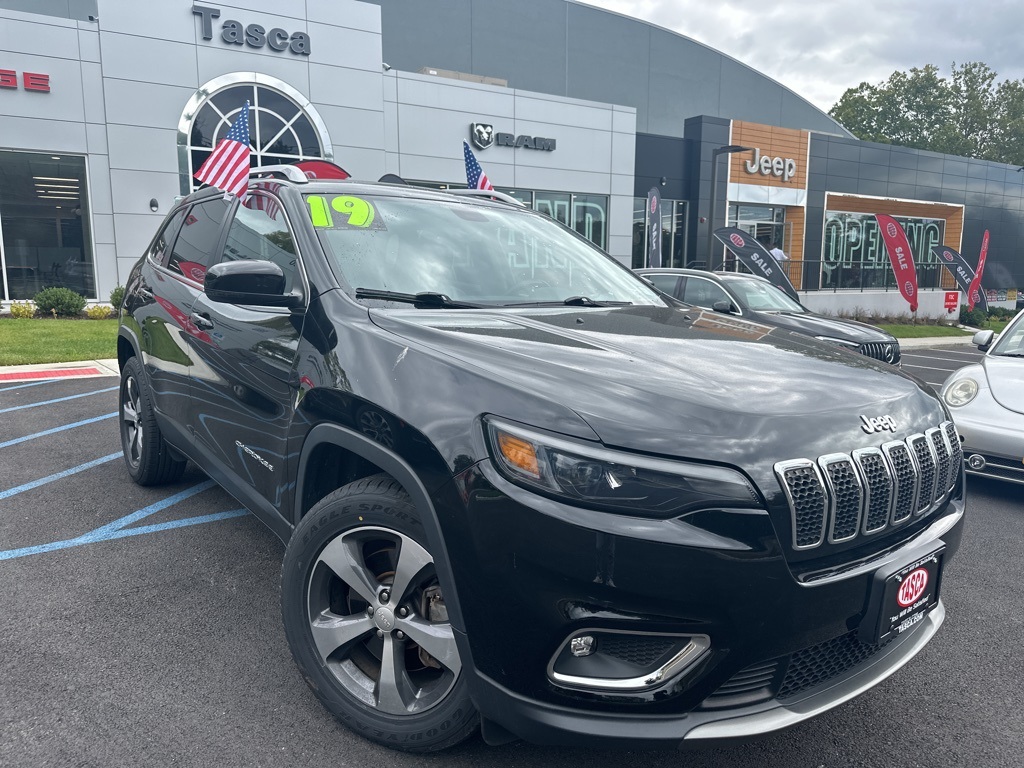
(475, 176)
(228, 167)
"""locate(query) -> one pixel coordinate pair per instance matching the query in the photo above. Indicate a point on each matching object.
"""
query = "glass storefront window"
(854, 254)
(673, 233)
(554, 204)
(44, 218)
(590, 218)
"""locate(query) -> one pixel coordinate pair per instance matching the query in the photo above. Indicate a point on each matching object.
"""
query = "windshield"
(1011, 341)
(470, 253)
(763, 297)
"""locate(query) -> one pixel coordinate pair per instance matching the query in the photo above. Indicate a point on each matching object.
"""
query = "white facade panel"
(103, 228)
(132, 190)
(145, 104)
(578, 149)
(624, 153)
(42, 135)
(259, 11)
(558, 179)
(105, 264)
(446, 94)
(127, 57)
(360, 162)
(30, 37)
(342, 87)
(100, 200)
(134, 233)
(142, 149)
(539, 110)
(62, 102)
(93, 99)
(96, 138)
(89, 44)
(364, 16)
(214, 62)
(354, 127)
(342, 47)
(166, 20)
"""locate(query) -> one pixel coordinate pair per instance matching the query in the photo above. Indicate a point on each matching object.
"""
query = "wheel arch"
(389, 462)
(127, 346)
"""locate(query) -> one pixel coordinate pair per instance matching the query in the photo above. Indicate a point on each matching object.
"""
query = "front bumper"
(989, 431)
(534, 572)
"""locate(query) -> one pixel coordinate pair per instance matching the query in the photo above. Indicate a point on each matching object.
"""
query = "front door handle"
(201, 321)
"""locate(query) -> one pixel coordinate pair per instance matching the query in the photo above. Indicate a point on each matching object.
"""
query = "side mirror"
(723, 306)
(983, 340)
(249, 281)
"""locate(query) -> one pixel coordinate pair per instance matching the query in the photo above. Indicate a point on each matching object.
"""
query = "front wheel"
(366, 620)
(146, 454)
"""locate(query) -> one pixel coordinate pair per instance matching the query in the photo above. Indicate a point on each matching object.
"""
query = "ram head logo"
(482, 134)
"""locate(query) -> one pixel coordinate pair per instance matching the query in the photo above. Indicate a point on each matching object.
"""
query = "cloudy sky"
(820, 49)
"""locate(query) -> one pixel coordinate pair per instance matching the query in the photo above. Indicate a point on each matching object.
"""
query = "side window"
(666, 283)
(194, 250)
(260, 232)
(161, 247)
(703, 293)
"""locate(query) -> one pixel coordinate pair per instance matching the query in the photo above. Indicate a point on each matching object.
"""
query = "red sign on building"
(952, 300)
(30, 81)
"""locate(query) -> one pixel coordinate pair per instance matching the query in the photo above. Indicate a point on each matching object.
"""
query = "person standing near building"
(774, 250)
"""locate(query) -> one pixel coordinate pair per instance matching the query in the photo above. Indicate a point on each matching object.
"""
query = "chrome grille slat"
(924, 454)
(878, 488)
(846, 496)
(842, 496)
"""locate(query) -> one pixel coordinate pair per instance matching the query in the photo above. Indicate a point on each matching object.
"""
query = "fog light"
(582, 645)
(976, 462)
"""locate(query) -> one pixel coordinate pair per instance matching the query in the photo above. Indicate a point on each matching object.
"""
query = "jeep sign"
(771, 166)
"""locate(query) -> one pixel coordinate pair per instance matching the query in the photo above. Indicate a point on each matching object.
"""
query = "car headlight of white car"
(960, 392)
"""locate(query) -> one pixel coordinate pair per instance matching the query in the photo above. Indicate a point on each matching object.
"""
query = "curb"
(80, 369)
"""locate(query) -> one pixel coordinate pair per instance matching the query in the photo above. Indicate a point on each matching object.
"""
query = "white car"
(987, 403)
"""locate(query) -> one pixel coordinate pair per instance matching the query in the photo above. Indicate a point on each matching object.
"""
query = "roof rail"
(491, 193)
(290, 172)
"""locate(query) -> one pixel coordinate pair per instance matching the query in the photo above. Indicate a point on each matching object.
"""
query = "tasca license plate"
(902, 595)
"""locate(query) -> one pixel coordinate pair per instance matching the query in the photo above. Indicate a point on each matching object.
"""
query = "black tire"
(149, 459)
(341, 620)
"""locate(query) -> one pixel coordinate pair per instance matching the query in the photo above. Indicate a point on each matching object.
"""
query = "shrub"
(59, 302)
(974, 318)
(98, 312)
(22, 309)
(117, 298)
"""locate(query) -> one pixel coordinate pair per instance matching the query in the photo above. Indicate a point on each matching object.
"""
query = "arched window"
(283, 125)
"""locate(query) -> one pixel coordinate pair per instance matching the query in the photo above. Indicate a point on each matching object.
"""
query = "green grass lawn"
(44, 340)
(901, 331)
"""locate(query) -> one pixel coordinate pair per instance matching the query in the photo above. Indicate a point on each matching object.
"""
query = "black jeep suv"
(521, 489)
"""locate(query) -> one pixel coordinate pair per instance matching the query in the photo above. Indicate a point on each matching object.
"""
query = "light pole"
(726, 150)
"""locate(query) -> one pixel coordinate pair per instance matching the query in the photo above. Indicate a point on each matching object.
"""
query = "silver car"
(987, 403)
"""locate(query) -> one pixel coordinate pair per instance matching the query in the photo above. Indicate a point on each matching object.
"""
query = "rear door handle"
(201, 321)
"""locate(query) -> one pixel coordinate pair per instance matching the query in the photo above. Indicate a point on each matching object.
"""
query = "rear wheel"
(147, 455)
(366, 620)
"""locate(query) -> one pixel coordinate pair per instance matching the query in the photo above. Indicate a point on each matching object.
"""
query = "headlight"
(840, 342)
(599, 478)
(960, 392)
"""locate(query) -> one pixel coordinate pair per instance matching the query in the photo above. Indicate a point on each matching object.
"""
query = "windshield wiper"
(572, 301)
(1010, 354)
(429, 299)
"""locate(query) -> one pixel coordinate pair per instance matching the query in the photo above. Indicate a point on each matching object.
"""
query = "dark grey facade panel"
(900, 158)
(81, 10)
(569, 49)
(848, 169)
(876, 155)
(901, 191)
(534, 62)
(928, 179)
(906, 176)
(606, 60)
(871, 187)
(659, 157)
(954, 166)
(873, 172)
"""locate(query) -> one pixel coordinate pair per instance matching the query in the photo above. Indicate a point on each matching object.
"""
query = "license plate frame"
(887, 615)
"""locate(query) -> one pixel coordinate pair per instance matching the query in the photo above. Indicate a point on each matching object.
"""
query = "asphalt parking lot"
(141, 626)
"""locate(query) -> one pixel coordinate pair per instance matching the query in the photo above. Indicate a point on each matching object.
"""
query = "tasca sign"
(252, 35)
(784, 167)
(484, 136)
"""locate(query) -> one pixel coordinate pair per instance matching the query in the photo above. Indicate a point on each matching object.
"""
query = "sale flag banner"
(962, 272)
(654, 232)
(900, 256)
(756, 258)
(974, 294)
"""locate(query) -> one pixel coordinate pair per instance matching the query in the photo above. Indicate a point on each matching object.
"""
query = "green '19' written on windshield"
(343, 212)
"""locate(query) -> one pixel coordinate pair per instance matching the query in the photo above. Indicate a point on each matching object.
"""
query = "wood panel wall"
(773, 142)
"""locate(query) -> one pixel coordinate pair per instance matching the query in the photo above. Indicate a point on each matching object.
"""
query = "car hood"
(680, 382)
(819, 325)
(1005, 377)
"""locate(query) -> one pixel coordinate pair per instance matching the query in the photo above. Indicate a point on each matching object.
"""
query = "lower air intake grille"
(639, 650)
(820, 663)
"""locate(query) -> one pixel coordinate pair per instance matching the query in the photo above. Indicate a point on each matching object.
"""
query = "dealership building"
(107, 108)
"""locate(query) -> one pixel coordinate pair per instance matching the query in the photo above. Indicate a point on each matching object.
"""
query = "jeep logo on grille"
(872, 424)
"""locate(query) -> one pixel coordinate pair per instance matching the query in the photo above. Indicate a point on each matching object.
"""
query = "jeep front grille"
(843, 496)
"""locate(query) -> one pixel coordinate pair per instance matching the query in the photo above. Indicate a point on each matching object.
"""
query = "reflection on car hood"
(1006, 381)
(678, 382)
(818, 325)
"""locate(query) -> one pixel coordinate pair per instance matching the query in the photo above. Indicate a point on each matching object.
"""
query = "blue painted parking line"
(32, 384)
(57, 400)
(50, 478)
(55, 430)
(119, 530)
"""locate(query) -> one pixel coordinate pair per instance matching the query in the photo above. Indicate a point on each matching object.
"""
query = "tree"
(968, 114)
